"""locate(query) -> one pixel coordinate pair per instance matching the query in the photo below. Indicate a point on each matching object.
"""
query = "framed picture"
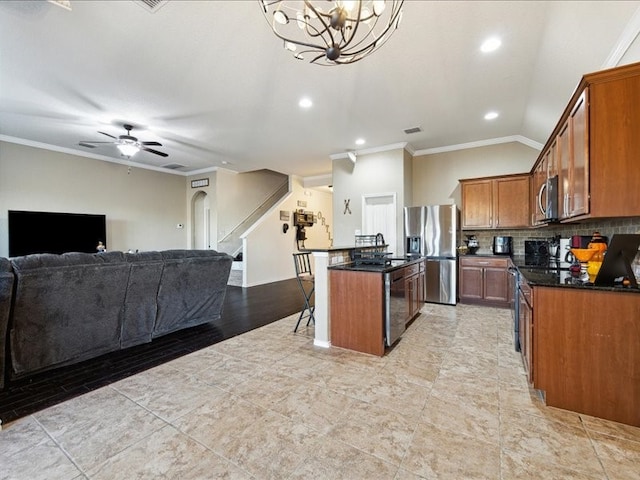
(285, 216)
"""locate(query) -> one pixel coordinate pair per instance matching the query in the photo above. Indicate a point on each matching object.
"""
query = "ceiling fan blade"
(157, 144)
(108, 135)
(150, 150)
(86, 144)
(89, 141)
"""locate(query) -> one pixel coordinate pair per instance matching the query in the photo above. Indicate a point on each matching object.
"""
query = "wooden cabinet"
(573, 161)
(586, 351)
(485, 280)
(357, 310)
(414, 296)
(596, 143)
(477, 203)
(359, 304)
(495, 202)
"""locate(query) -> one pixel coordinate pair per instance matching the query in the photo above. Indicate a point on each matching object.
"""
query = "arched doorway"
(200, 222)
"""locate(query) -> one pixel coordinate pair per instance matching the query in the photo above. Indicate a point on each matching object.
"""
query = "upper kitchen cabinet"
(573, 161)
(495, 202)
(595, 145)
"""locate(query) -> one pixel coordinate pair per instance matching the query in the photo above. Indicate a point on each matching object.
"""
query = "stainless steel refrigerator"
(433, 231)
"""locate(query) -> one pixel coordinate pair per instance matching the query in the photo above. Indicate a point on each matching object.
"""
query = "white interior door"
(379, 216)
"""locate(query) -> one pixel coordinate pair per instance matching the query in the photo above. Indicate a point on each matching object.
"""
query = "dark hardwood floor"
(244, 310)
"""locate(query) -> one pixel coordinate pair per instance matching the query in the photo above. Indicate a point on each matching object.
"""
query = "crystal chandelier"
(333, 32)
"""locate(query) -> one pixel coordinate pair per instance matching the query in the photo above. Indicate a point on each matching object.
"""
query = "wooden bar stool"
(305, 276)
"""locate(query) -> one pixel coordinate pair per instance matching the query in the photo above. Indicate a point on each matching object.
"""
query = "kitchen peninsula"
(322, 259)
(371, 303)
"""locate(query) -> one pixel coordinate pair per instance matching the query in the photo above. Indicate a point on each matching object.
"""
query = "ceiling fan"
(127, 144)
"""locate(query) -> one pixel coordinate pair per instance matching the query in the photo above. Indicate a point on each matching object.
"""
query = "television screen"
(49, 232)
(618, 260)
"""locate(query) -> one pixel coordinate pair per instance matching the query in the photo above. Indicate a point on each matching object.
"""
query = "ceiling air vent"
(412, 130)
(173, 166)
(151, 5)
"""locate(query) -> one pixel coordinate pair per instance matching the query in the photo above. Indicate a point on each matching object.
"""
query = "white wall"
(435, 177)
(375, 173)
(267, 252)
(238, 195)
(632, 54)
(210, 192)
(143, 207)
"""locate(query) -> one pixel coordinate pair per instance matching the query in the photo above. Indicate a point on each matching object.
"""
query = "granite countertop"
(338, 249)
(394, 263)
(558, 275)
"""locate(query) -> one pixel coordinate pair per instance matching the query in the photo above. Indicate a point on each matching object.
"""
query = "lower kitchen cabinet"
(485, 280)
(586, 351)
(369, 310)
(414, 284)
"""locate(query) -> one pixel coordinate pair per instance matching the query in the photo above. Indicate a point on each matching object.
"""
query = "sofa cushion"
(140, 302)
(192, 289)
(6, 292)
(66, 308)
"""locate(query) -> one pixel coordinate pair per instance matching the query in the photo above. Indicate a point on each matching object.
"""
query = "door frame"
(394, 202)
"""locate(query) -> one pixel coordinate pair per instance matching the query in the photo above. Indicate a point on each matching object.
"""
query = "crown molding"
(94, 156)
(482, 143)
(317, 180)
(625, 40)
(367, 151)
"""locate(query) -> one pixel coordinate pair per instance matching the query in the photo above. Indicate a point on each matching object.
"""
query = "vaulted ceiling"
(210, 81)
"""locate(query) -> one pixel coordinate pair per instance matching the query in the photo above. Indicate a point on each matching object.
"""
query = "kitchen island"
(322, 259)
(372, 304)
(580, 344)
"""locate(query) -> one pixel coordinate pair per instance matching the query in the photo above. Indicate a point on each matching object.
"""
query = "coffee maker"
(502, 245)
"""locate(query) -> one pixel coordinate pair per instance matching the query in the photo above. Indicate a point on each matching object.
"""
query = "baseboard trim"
(321, 343)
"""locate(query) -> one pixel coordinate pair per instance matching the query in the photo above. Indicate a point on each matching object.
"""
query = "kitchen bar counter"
(322, 259)
(391, 265)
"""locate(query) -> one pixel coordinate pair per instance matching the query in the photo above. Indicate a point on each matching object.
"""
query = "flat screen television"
(51, 232)
(618, 260)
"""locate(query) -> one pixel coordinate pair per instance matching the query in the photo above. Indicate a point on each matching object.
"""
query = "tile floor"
(450, 401)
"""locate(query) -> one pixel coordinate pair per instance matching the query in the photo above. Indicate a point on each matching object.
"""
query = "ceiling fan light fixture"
(128, 149)
(343, 33)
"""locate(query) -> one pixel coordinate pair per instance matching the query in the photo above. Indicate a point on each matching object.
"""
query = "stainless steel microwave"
(549, 208)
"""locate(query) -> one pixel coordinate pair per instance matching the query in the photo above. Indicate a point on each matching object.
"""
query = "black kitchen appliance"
(536, 252)
(502, 245)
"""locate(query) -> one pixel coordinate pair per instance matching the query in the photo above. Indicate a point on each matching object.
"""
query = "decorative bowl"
(583, 254)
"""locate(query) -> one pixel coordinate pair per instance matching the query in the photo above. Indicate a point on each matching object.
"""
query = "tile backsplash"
(606, 227)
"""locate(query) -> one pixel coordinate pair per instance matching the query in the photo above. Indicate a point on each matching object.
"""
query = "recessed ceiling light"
(360, 141)
(305, 103)
(491, 44)
(491, 116)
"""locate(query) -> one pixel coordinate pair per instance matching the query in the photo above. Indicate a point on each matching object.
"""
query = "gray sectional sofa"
(61, 309)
